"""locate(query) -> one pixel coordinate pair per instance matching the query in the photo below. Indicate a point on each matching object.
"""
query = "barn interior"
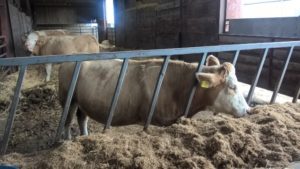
(161, 24)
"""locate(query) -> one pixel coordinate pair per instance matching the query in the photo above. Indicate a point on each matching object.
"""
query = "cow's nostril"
(249, 110)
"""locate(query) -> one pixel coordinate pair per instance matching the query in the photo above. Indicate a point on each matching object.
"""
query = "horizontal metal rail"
(142, 53)
(23, 62)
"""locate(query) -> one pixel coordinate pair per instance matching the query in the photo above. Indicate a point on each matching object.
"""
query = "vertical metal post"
(68, 101)
(236, 56)
(254, 83)
(117, 93)
(271, 67)
(12, 110)
(193, 91)
(297, 94)
(278, 85)
(157, 90)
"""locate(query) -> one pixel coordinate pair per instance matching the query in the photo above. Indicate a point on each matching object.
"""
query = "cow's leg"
(48, 72)
(82, 119)
(73, 109)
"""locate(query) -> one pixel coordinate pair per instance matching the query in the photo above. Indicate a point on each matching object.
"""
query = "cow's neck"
(203, 97)
(185, 83)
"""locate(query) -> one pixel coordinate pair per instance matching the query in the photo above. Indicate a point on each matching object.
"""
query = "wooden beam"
(65, 4)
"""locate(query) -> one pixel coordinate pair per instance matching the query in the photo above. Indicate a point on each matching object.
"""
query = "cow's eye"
(232, 87)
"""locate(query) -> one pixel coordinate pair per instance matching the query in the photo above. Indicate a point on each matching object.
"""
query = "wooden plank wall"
(249, 60)
(5, 28)
(69, 13)
(20, 24)
(200, 22)
(152, 24)
(64, 15)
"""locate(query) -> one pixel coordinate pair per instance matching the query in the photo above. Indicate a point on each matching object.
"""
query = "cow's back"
(54, 32)
(56, 45)
(86, 44)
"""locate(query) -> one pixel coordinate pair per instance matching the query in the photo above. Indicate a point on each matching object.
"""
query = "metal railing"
(3, 54)
(3, 46)
(23, 62)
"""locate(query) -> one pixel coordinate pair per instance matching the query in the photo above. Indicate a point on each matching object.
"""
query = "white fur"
(48, 71)
(31, 41)
(30, 44)
(231, 103)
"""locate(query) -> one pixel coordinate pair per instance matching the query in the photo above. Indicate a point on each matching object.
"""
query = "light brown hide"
(55, 45)
(53, 32)
(97, 81)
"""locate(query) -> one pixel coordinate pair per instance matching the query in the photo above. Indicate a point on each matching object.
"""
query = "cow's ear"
(227, 68)
(208, 80)
(212, 60)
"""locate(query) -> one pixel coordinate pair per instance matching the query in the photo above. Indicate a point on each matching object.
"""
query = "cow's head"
(221, 81)
(105, 45)
(31, 41)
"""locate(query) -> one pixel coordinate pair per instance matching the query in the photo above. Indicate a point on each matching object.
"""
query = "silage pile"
(268, 138)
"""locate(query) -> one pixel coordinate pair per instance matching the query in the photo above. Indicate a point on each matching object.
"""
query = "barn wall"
(201, 22)
(249, 60)
(265, 30)
(58, 13)
(5, 28)
(64, 15)
(276, 27)
(20, 25)
(166, 23)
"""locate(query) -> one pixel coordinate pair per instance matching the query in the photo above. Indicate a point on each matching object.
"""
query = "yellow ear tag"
(204, 84)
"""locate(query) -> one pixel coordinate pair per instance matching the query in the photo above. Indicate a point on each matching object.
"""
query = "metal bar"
(278, 85)
(142, 53)
(3, 45)
(3, 54)
(117, 93)
(236, 56)
(271, 55)
(2, 37)
(12, 110)
(254, 83)
(193, 91)
(68, 101)
(257, 36)
(297, 94)
(157, 90)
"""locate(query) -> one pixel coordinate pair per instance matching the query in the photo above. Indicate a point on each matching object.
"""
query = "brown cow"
(97, 81)
(56, 45)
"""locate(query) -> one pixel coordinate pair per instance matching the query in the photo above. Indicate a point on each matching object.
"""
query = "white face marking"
(230, 99)
(31, 41)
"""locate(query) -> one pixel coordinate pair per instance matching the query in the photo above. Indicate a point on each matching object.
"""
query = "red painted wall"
(233, 9)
